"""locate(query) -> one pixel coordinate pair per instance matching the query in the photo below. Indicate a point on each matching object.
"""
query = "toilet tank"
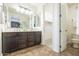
(75, 39)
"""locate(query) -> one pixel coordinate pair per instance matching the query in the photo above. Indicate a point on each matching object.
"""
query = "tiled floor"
(42, 50)
(39, 50)
(70, 51)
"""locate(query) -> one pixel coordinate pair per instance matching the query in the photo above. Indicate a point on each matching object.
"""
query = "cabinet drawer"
(9, 45)
(24, 34)
(12, 41)
(30, 44)
(20, 46)
(37, 37)
(31, 36)
(31, 39)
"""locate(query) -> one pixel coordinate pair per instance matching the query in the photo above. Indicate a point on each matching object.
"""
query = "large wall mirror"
(1, 21)
(36, 21)
(21, 17)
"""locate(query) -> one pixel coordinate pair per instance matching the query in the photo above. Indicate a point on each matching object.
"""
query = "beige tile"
(43, 50)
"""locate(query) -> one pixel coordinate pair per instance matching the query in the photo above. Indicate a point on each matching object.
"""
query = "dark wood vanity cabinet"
(31, 39)
(9, 42)
(37, 38)
(12, 41)
(22, 40)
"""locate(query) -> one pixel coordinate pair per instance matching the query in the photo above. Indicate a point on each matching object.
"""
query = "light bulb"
(18, 9)
(26, 12)
(30, 12)
(22, 10)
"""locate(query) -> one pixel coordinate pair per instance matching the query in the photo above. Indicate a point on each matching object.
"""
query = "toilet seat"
(75, 40)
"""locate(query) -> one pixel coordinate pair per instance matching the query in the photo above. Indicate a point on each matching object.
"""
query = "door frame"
(60, 28)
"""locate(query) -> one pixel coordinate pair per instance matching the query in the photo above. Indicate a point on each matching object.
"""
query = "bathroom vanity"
(20, 30)
(13, 41)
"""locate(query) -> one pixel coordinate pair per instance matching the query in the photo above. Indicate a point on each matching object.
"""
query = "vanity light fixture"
(23, 10)
(18, 9)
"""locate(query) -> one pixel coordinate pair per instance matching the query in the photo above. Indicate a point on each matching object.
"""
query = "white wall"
(50, 26)
(48, 34)
(63, 34)
(1, 27)
(77, 20)
(55, 27)
(71, 24)
(47, 24)
(48, 12)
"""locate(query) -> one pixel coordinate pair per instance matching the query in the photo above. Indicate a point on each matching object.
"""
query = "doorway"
(69, 31)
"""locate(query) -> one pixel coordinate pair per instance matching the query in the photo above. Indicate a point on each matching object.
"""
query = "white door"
(48, 34)
(63, 27)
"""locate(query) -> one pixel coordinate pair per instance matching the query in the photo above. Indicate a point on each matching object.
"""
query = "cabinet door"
(31, 39)
(9, 42)
(22, 40)
(37, 37)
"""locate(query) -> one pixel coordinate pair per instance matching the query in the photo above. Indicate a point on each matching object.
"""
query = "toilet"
(75, 41)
